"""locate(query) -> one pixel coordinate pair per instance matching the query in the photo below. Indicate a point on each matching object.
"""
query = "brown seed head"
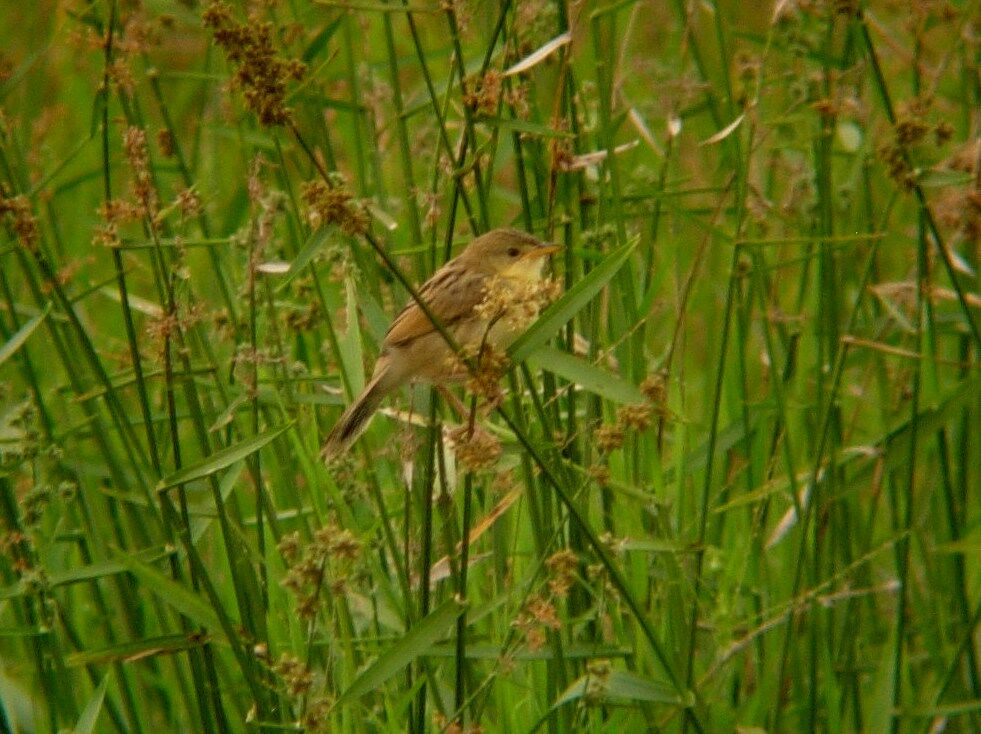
(260, 72)
(24, 223)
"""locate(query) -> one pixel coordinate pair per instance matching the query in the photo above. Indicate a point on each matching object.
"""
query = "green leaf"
(23, 334)
(349, 342)
(576, 651)
(18, 632)
(653, 545)
(946, 710)
(418, 641)
(228, 414)
(221, 459)
(879, 709)
(378, 7)
(522, 126)
(102, 569)
(86, 722)
(137, 649)
(697, 458)
(965, 546)
(933, 179)
(572, 301)
(622, 686)
(310, 250)
(587, 376)
(619, 686)
(319, 41)
(225, 488)
(173, 594)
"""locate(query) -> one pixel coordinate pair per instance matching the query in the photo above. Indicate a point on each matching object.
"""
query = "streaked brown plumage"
(414, 350)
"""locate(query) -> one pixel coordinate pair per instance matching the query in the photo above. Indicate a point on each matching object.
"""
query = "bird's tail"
(355, 419)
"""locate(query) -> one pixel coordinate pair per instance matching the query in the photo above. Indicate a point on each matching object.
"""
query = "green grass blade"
(585, 375)
(414, 644)
(90, 714)
(620, 686)
(173, 594)
(314, 244)
(221, 459)
(15, 342)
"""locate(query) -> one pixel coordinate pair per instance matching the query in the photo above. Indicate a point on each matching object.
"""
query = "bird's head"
(510, 253)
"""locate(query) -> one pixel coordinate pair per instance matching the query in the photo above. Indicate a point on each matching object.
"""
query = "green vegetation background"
(737, 486)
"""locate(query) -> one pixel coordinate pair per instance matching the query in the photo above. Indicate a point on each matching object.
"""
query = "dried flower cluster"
(333, 550)
(430, 203)
(135, 145)
(121, 76)
(611, 436)
(562, 566)
(476, 450)
(460, 12)
(535, 619)
(535, 23)
(304, 318)
(18, 549)
(637, 417)
(260, 72)
(445, 726)
(298, 681)
(655, 388)
(246, 362)
(510, 306)
(561, 155)
(600, 474)
(960, 207)
(65, 274)
(264, 226)
(333, 205)
(119, 211)
(113, 213)
(485, 380)
(165, 142)
(598, 679)
(164, 326)
(188, 203)
(295, 674)
(145, 204)
(483, 93)
(515, 304)
(314, 718)
(34, 502)
(517, 95)
(911, 129)
(23, 221)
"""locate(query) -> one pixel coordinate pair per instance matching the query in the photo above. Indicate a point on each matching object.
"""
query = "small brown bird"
(504, 264)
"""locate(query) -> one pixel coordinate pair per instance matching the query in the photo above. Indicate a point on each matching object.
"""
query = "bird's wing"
(451, 294)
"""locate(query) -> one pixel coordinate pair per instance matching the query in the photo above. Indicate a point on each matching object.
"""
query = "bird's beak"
(543, 250)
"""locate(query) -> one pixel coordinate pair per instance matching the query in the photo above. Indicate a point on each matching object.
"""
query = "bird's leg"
(471, 423)
(455, 403)
(480, 365)
(412, 408)
(461, 409)
(458, 405)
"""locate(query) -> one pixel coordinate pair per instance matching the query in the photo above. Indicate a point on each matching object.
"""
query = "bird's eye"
(513, 251)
